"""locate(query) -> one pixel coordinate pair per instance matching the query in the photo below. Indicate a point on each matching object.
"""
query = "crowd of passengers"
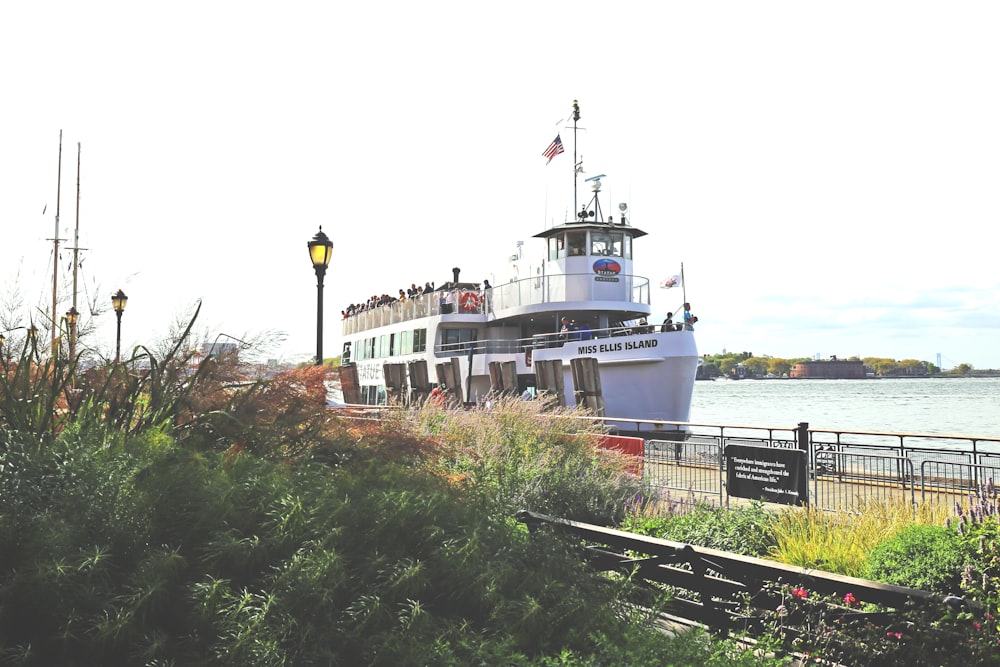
(376, 301)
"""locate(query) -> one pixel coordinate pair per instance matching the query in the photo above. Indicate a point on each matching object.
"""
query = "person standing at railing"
(689, 318)
(487, 297)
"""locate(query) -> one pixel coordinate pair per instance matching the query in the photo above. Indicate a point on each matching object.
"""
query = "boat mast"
(76, 231)
(576, 165)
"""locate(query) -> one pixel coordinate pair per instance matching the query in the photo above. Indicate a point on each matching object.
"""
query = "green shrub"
(921, 556)
(743, 529)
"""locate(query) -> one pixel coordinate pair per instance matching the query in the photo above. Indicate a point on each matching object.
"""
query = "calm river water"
(959, 406)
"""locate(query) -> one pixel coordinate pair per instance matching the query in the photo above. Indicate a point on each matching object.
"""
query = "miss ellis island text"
(617, 347)
(772, 474)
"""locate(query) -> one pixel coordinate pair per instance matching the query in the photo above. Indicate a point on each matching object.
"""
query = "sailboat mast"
(55, 250)
(76, 231)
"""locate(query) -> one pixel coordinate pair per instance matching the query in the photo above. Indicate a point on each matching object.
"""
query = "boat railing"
(538, 341)
(515, 294)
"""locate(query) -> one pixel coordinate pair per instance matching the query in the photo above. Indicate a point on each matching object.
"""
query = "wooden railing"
(714, 587)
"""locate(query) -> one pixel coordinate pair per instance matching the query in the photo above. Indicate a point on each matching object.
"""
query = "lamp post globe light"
(320, 251)
(72, 317)
(118, 300)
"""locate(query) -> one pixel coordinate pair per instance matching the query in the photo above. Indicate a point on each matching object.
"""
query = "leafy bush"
(920, 556)
(821, 629)
(743, 529)
(137, 547)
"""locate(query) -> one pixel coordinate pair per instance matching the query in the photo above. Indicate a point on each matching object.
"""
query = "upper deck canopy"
(634, 232)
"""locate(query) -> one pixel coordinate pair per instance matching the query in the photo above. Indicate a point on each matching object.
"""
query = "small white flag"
(672, 281)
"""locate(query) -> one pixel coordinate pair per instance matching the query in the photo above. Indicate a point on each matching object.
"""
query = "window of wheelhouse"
(627, 246)
(557, 247)
(577, 242)
(606, 244)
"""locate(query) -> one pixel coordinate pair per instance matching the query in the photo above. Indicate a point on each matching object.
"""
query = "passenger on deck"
(689, 319)
(586, 331)
(668, 324)
(566, 329)
(487, 297)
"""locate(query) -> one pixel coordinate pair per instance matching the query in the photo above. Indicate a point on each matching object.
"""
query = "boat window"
(577, 242)
(384, 346)
(406, 342)
(627, 247)
(457, 340)
(373, 394)
(557, 247)
(420, 340)
(616, 244)
(601, 244)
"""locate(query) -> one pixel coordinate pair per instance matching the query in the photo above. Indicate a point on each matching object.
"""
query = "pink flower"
(850, 600)
(800, 593)
(894, 635)
(977, 625)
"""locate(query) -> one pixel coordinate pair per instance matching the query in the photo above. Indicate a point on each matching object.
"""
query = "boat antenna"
(576, 117)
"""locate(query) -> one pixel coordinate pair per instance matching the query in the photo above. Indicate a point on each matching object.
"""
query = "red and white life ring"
(469, 301)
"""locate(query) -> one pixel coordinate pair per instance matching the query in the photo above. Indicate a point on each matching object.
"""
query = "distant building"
(834, 369)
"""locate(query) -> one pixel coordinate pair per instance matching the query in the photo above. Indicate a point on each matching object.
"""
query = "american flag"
(554, 149)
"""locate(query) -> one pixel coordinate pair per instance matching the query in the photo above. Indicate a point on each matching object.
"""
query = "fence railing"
(709, 582)
(845, 468)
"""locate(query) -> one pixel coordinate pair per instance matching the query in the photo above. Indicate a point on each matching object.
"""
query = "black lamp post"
(320, 251)
(118, 300)
(72, 317)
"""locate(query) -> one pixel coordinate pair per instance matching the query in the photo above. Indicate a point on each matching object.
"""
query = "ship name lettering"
(617, 347)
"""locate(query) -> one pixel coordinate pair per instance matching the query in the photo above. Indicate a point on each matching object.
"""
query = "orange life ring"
(469, 301)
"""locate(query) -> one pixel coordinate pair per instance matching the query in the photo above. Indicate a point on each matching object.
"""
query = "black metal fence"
(845, 468)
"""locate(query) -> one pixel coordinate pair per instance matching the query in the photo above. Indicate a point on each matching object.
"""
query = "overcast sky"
(827, 173)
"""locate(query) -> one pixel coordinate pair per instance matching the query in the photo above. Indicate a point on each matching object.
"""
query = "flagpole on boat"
(684, 287)
(576, 167)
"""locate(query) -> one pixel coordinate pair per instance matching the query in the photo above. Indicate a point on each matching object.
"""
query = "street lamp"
(320, 251)
(72, 317)
(118, 300)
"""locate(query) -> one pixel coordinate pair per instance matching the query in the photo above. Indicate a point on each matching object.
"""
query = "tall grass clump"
(515, 456)
(841, 542)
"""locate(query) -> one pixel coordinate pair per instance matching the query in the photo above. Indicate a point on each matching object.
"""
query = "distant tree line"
(746, 365)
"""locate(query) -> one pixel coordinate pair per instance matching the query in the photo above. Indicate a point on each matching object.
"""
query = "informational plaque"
(773, 474)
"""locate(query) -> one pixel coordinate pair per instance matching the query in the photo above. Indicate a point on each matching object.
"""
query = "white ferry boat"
(584, 276)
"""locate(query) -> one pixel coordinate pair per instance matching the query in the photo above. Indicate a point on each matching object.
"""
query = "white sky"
(826, 172)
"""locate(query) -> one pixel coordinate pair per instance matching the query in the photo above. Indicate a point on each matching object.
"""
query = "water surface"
(963, 406)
